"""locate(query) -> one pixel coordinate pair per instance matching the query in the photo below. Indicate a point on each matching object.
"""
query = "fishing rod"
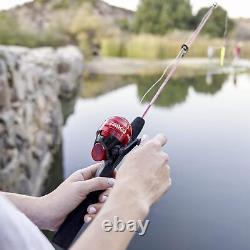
(114, 139)
(173, 67)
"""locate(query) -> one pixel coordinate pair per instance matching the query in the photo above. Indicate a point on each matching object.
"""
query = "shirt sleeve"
(17, 232)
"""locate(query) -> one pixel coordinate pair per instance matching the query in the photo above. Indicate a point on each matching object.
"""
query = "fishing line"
(174, 65)
(159, 80)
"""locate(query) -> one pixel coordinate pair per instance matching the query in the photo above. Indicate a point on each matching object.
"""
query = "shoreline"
(128, 66)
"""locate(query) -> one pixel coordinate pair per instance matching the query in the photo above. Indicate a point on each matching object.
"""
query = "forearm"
(122, 203)
(32, 207)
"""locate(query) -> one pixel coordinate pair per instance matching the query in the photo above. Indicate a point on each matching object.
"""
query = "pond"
(207, 122)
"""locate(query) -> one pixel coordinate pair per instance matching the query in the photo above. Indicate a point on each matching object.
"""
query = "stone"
(31, 119)
(4, 92)
(2, 129)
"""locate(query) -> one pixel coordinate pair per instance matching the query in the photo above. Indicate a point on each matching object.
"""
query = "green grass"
(246, 50)
(87, 31)
(12, 34)
(163, 47)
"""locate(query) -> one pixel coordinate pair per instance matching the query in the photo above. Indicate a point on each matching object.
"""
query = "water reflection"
(208, 127)
(175, 93)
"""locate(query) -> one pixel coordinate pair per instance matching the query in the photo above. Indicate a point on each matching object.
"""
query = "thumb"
(98, 183)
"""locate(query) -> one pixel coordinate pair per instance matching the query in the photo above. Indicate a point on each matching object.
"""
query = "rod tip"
(215, 4)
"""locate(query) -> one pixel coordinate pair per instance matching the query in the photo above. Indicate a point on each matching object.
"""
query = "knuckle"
(150, 143)
(165, 157)
(168, 168)
(100, 181)
(154, 144)
(169, 182)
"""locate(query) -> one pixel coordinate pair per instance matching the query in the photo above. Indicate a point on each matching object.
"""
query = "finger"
(169, 170)
(90, 171)
(95, 208)
(85, 173)
(88, 218)
(98, 183)
(165, 157)
(170, 182)
(169, 179)
(104, 196)
(160, 139)
(114, 173)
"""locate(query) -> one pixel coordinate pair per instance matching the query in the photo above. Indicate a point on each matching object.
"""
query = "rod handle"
(74, 222)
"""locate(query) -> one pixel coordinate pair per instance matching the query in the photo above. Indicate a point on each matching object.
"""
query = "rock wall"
(32, 81)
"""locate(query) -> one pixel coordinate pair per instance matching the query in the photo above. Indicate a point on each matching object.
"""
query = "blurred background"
(154, 31)
(66, 66)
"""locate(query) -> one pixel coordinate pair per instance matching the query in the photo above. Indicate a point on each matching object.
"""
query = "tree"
(160, 16)
(215, 27)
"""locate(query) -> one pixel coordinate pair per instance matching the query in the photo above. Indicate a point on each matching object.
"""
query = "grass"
(163, 47)
(246, 50)
(119, 44)
(12, 34)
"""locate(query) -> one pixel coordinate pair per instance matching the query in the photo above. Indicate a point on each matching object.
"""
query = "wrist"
(41, 216)
(48, 214)
(129, 194)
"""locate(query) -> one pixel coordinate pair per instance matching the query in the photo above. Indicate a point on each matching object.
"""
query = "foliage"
(12, 34)
(215, 27)
(113, 47)
(87, 28)
(245, 50)
(148, 46)
(160, 16)
(78, 22)
(124, 24)
(177, 91)
(64, 4)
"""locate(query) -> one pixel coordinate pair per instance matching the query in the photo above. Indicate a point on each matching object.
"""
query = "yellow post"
(222, 56)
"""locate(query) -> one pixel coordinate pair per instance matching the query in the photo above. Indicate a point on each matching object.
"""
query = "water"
(207, 123)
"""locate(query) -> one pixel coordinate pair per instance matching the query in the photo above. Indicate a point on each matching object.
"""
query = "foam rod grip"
(74, 222)
(137, 126)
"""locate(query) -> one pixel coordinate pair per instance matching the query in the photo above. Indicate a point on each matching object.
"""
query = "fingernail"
(103, 198)
(87, 219)
(170, 182)
(111, 182)
(91, 210)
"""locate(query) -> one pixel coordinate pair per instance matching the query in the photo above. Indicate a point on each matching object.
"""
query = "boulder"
(32, 81)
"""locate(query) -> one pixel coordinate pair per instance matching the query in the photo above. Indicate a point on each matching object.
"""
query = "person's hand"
(146, 172)
(72, 192)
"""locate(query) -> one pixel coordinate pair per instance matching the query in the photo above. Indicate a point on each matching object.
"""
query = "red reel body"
(115, 131)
